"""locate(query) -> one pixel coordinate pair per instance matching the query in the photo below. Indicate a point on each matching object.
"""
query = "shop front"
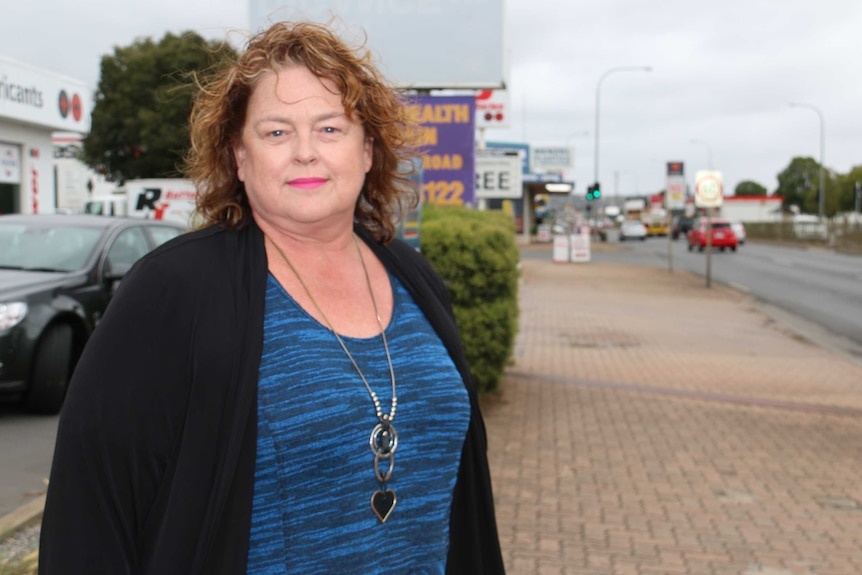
(35, 103)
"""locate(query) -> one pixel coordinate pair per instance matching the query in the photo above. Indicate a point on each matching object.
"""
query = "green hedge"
(476, 254)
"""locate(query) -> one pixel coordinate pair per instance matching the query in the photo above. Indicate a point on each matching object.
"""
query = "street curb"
(15, 520)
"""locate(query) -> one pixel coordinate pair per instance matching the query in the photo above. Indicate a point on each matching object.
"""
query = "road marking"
(739, 287)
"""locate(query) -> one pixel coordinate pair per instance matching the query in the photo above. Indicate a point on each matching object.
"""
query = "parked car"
(722, 235)
(680, 226)
(632, 230)
(738, 231)
(57, 275)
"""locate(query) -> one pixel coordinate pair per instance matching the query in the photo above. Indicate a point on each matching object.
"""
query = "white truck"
(169, 199)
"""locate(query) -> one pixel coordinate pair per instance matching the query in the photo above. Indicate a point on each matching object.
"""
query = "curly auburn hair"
(219, 114)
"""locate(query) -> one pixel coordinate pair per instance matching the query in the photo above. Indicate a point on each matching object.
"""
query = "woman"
(284, 390)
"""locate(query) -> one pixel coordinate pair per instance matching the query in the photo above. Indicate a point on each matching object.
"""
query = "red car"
(722, 235)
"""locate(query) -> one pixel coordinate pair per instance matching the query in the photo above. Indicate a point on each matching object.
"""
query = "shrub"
(476, 254)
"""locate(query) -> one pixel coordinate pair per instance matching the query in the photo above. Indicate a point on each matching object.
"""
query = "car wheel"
(701, 247)
(50, 377)
(643, 238)
(733, 248)
(722, 248)
(690, 247)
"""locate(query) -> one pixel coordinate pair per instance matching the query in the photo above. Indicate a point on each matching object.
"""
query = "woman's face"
(302, 161)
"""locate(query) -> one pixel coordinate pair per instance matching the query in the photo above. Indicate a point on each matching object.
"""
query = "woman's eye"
(330, 130)
(277, 133)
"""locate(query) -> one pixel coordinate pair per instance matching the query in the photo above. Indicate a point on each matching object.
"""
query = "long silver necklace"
(384, 438)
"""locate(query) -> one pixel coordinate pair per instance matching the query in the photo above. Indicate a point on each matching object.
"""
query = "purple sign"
(448, 143)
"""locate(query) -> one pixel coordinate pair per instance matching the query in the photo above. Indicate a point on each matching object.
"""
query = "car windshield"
(44, 248)
(720, 226)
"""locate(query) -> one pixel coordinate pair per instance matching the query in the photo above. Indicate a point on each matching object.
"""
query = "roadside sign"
(580, 245)
(498, 174)
(560, 252)
(708, 189)
(675, 196)
(551, 158)
(492, 109)
(522, 148)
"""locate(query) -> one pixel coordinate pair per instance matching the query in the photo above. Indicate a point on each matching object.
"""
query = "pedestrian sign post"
(708, 189)
(708, 194)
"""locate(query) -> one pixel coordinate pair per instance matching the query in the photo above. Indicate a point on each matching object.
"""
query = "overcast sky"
(723, 73)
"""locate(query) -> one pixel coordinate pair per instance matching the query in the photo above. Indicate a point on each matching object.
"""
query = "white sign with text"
(498, 176)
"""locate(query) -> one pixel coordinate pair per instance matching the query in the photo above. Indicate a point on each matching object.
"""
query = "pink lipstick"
(307, 183)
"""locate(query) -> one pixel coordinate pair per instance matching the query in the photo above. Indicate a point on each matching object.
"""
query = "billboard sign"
(675, 186)
(448, 137)
(422, 44)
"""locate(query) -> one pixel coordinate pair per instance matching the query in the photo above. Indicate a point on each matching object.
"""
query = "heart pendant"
(382, 503)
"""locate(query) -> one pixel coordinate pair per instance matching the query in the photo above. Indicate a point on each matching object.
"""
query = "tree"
(142, 105)
(798, 184)
(749, 188)
(847, 189)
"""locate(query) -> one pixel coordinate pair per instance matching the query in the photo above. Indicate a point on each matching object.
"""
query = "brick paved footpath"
(650, 425)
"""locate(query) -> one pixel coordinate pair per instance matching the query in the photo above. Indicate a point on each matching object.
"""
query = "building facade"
(34, 104)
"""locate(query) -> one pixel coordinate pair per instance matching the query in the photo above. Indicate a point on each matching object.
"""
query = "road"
(819, 286)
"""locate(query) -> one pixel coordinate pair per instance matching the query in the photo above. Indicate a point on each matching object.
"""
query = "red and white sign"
(580, 245)
(561, 249)
(708, 189)
(492, 109)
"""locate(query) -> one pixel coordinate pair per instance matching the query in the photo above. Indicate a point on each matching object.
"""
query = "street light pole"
(708, 149)
(822, 190)
(598, 100)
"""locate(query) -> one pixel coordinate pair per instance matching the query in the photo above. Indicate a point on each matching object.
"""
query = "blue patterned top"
(314, 476)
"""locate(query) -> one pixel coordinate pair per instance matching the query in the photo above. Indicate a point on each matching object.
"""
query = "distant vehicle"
(680, 226)
(722, 235)
(632, 230)
(655, 221)
(57, 276)
(738, 231)
(167, 199)
(107, 205)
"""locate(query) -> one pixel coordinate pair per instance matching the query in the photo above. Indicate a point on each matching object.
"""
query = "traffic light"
(594, 192)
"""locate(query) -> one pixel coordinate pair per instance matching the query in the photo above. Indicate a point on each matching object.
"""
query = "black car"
(680, 226)
(57, 275)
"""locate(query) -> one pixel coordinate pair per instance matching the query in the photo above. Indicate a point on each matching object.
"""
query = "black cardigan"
(153, 471)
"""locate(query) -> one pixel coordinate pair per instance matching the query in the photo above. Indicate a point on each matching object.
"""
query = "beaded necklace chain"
(384, 438)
